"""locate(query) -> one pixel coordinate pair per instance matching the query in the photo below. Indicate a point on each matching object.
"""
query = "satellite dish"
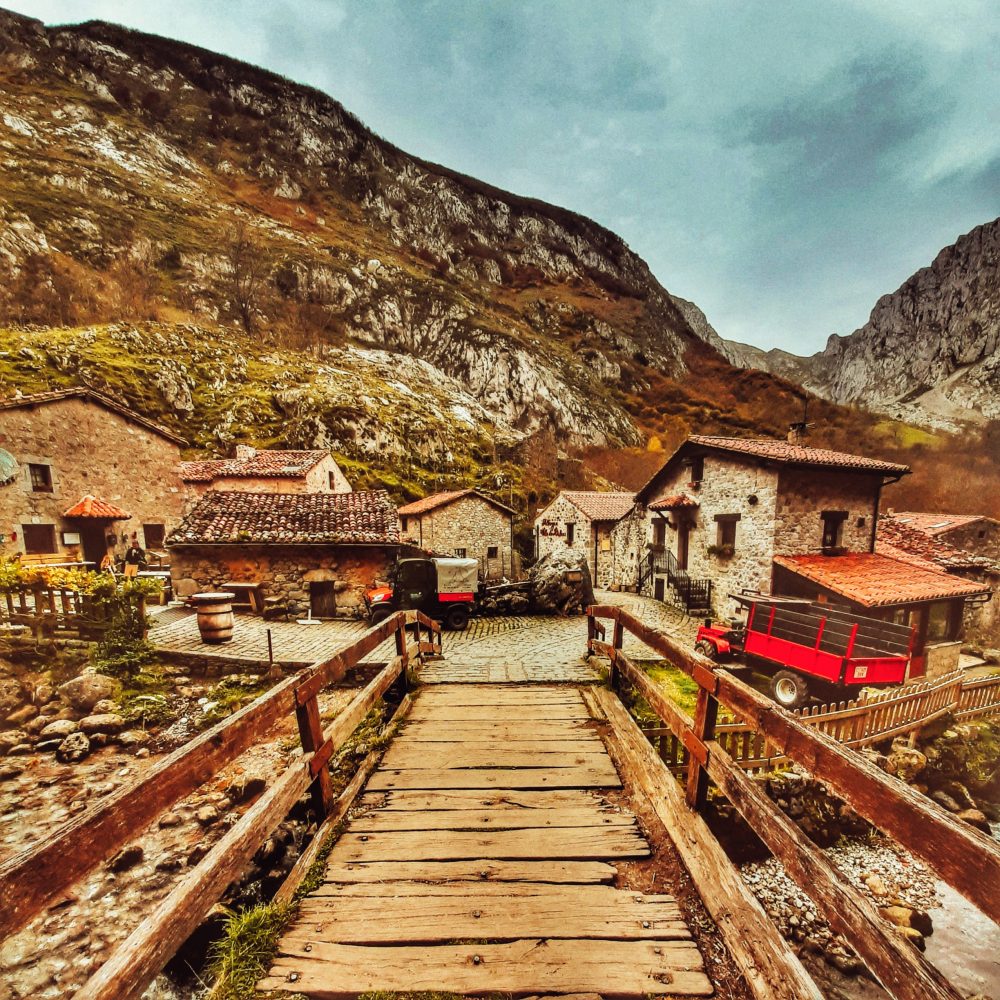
(8, 468)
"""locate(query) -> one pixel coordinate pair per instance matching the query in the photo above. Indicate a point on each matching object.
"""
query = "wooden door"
(94, 542)
(658, 591)
(322, 600)
(683, 531)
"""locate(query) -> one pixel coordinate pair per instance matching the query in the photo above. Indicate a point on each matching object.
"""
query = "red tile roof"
(92, 396)
(678, 501)
(874, 580)
(91, 506)
(226, 517)
(598, 506)
(898, 538)
(796, 454)
(937, 524)
(270, 464)
(435, 500)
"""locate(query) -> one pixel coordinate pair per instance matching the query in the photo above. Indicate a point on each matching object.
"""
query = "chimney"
(245, 452)
(796, 433)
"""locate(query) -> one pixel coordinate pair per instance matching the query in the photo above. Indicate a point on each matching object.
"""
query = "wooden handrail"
(38, 875)
(962, 856)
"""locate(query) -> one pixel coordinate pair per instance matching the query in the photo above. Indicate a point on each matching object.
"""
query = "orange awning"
(91, 506)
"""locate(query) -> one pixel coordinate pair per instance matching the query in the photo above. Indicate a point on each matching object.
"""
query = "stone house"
(464, 523)
(82, 473)
(731, 515)
(586, 520)
(899, 538)
(264, 471)
(975, 534)
(317, 551)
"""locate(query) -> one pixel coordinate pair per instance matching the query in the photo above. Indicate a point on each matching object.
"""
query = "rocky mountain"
(929, 353)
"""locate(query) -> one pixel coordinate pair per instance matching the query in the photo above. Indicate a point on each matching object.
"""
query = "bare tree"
(247, 271)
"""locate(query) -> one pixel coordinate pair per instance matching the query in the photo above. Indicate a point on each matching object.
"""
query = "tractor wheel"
(379, 615)
(789, 690)
(457, 618)
(704, 647)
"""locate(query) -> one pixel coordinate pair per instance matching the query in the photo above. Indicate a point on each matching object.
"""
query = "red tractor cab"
(811, 649)
(443, 589)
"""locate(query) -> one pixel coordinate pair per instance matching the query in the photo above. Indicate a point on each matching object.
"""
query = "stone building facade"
(586, 520)
(975, 534)
(464, 523)
(316, 551)
(264, 471)
(76, 443)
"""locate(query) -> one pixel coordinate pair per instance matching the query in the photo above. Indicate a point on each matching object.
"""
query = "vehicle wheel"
(457, 618)
(379, 615)
(704, 647)
(789, 690)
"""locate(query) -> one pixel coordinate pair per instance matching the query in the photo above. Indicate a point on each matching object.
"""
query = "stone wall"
(805, 493)
(285, 571)
(325, 477)
(470, 523)
(981, 538)
(89, 450)
(552, 531)
(981, 622)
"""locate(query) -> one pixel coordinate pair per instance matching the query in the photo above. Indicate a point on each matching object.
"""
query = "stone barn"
(82, 472)
(467, 524)
(315, 551)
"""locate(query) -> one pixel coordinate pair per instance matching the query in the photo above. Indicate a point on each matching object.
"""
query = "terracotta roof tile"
(230, 517)
(269, 464)
(875, 580)
(91, 506)
(795, 454)
(936, 524)
(93, 396)
(600, 506)
(435, 500)
(676, 502)
(914, 545)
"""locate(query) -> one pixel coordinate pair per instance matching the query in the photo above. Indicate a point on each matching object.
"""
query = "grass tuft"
(242, 956)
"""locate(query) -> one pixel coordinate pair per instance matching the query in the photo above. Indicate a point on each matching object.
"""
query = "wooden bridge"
(493, 847)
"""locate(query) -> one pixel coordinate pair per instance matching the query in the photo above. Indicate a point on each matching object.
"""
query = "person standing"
(134, 558)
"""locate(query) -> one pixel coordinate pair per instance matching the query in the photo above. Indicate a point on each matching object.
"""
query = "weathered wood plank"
(409, 757)
(432, 919)
(771, 970)
(618, 968)
(570, 843)
(479, 798)
(588, 743)
(488, 713)
(480, 871)
(535, 777)
(487, 819)
(501, 733)
(597, 895)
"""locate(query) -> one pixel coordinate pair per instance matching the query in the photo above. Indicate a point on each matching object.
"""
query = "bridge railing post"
(706, 713)
(311, 734)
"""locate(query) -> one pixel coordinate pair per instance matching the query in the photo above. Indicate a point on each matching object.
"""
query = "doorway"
(322, 600)
(94, 542)
(658, 589)
(683, 531)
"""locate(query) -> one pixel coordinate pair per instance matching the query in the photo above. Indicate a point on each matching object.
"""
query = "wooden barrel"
(215, 616)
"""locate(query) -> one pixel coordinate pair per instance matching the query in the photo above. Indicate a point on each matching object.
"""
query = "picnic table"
(249, 595)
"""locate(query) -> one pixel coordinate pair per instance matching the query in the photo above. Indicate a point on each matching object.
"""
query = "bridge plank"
(487, 819)
(481, 871)
(590, 743)
(488, 713)
(597, 894)
(535, 777)
(618, 968)
(569, 843)
(481, 798)
(438, 732)
(407, 758)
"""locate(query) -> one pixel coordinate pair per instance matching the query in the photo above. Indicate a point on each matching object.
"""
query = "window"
(493, 552)
(697, 467)
(459, 553)
(153, 534)
(570, 532)
(402, 523)
(725, 536)
(659, 533)
(606, 544)
(833, 528)
(942, 623)
(41, 478)
(332, 479)
(39, 539)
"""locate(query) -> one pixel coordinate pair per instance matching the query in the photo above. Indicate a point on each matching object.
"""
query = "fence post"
(705, 714)
(311, 735)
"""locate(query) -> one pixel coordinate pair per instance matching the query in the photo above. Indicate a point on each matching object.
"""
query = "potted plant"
(722, 551)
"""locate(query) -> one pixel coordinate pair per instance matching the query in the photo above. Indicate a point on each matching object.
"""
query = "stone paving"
(527, 648)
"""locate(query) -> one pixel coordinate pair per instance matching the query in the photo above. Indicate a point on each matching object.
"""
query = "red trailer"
(810, 647)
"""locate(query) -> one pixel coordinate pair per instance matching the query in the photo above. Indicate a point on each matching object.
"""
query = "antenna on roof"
(798, 431)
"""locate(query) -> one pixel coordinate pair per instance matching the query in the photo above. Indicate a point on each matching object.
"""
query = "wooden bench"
(249, 595)
(52, 559)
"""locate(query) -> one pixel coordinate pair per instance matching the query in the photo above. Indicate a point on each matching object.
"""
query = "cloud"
(782, 164)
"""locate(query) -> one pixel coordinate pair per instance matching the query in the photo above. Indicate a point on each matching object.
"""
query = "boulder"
(133, 739)
(74, 748)
(60, 728)
(85, 691)
(960, 794)
(905, 762)
(945, 800)
(106, 723)
(12, 696)
(106, 706)
(560, 582)
(127, 857)
(976, 818)
(24, 714)
(38, 723)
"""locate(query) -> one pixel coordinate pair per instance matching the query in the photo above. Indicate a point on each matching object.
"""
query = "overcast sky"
(783, 163)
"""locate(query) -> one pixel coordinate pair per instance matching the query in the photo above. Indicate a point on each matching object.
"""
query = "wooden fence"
(37, 877)
(50, 611)
(962, 856)
(873, 718)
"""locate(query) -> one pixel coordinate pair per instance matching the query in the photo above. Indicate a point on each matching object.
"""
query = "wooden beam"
(771, 970)
(892, 959)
